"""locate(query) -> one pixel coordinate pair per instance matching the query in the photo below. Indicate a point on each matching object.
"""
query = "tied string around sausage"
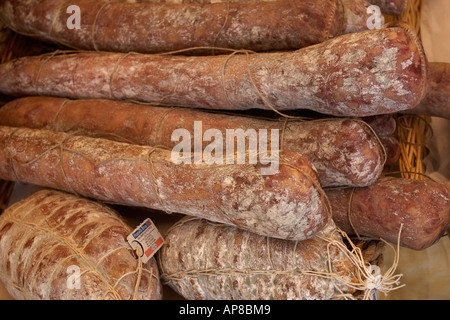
(138, 273)
(365, 277)
(60, 146)
(369, 277)
(89, 266)
(252, 81)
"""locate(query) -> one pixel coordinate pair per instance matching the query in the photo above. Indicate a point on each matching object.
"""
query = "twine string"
(155, 183)
(139, 276)
(114, 71)
(349, 215)
(94, 24)
(223, 25)
(47, 58)
(253, 83)
(367, 281)
(139, 273)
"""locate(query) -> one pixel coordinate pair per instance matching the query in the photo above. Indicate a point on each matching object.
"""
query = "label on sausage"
(145, 240)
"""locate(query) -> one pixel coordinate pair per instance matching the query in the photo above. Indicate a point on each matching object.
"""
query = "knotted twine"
(367, 277)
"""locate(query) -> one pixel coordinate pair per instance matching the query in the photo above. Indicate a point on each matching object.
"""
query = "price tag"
(146, 240)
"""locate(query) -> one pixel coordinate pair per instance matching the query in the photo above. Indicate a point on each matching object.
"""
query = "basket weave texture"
(413, 131)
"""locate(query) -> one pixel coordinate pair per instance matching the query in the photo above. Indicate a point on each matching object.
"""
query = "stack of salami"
(136, 107)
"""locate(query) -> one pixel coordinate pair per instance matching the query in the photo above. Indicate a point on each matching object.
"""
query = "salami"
(162, 27)
(278, 195)
(204, 260)
(56, 246)
(360, 74)
(378, 211)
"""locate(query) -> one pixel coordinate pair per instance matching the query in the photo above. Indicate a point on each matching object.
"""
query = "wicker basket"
(412, 131)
